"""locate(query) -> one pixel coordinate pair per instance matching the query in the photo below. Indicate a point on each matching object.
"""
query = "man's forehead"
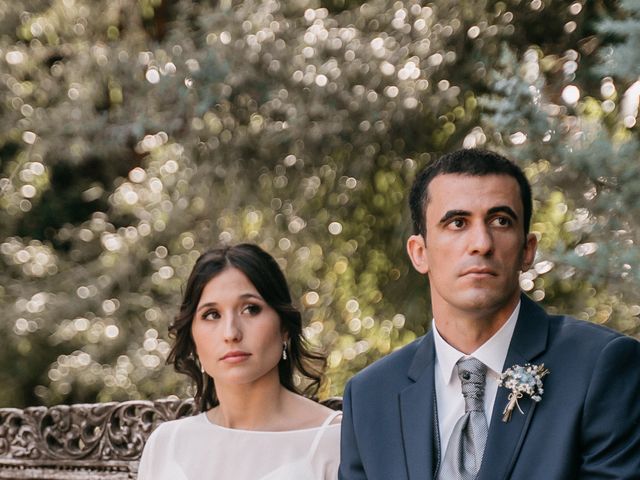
(473, 192)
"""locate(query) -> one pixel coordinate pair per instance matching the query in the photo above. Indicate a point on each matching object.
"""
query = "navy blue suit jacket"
(587, 425)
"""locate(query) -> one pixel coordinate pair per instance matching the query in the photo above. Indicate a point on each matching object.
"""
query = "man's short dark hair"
(473, 162)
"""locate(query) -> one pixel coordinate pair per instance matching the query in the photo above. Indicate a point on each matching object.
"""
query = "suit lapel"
(417, 412)
(505, 439)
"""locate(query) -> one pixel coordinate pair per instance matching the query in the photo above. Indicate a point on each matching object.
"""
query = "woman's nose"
(232, 331)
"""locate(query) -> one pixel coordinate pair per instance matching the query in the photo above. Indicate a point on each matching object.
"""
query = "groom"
(435, 408)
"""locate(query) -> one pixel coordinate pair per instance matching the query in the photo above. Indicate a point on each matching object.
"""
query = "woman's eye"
(252, 309)
(211, 315)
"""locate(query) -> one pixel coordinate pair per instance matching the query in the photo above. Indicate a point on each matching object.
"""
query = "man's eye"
(502, 222)
(457, 223)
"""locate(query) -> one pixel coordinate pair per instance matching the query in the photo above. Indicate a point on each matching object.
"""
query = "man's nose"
(481, 241)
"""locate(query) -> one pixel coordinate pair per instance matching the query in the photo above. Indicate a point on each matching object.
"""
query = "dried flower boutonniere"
(522, 381)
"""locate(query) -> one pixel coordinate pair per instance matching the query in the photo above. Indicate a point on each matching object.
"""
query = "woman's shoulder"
(309, 413)
(169, 428)
(159, 455)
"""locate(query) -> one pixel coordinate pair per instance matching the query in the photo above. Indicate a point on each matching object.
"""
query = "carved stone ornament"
(85, 441)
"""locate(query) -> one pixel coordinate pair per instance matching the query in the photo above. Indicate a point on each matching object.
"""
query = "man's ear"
(530, 247)
(417, 250)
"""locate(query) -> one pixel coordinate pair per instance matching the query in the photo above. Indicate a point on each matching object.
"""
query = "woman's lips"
(235, 357)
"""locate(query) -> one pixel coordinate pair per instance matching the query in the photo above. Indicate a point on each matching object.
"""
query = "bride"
(238, 336)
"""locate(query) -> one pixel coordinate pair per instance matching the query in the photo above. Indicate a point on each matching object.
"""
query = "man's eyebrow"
(453, 213)
(503, 209)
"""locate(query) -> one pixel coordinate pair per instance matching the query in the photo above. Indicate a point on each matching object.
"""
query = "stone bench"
(84, 441)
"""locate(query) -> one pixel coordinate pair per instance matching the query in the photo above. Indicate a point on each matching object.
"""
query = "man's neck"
(468, 331)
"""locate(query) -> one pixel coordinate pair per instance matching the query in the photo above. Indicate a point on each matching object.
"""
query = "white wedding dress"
(193, 448)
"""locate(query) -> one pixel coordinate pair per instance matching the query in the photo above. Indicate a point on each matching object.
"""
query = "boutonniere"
(522, 381)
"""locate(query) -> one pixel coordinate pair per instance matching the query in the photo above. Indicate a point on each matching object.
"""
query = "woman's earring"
(284, 350)
(199, 363)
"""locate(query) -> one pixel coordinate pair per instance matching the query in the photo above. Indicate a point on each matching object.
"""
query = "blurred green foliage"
(134, 134)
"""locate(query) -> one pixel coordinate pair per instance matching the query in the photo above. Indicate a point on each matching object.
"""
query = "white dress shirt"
(449, 397)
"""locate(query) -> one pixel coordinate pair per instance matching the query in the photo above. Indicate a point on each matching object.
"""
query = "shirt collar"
(492, 353)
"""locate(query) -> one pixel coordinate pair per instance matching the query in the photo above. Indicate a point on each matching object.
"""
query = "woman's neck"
(250, 406)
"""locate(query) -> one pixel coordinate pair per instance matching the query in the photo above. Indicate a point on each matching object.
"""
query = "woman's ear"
(285, 335)
(417, 250)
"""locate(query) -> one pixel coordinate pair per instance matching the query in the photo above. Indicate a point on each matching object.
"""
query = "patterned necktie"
(464, 452)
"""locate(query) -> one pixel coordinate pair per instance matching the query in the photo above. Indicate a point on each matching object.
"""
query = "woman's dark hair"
(265, 275)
